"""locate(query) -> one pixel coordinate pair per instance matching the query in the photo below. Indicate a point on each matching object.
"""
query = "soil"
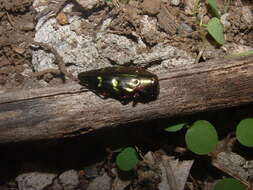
(18, 20)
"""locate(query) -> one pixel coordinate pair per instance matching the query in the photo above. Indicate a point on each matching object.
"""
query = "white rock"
(224, 21)
(101, 182)
(34, 180)
(170, 57)
(89, 4)
(175, 2)
(247, 14)
(69, 179)
(115, 47)
(68, 40)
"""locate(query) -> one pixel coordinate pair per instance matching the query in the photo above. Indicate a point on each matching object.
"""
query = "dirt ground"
(175, 24)
(18, 21)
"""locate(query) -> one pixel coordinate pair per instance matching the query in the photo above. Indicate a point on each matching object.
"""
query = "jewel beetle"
(122, 83)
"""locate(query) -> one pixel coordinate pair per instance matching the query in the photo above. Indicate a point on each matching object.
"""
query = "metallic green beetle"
(125, 84)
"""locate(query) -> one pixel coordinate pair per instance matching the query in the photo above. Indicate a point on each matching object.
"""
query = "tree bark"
(66, 111)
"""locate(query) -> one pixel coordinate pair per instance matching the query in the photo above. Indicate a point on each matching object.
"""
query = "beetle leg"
(103, 95)
(141, 88)
(135, 103)
(124, 102)
(135, 98)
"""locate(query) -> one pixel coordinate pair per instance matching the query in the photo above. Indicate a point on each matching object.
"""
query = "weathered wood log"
(66, 111)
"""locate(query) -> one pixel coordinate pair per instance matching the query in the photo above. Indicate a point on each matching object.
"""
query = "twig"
(58, 59)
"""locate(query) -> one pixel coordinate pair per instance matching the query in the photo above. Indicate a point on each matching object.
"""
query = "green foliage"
(214, 26)
(215, 29)
(229, 183)
(244, 132)
(175, 128)
(201, 138)
(214, 9)
(127, 159)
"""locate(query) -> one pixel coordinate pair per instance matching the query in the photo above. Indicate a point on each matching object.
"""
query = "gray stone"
(248, 164)
(175, 2)
(69, 41)
(247, 14)
(69, 179)
(90, 4)
(91, 171)
(183, 27)
(168, 55)
(34, 180)
(116, 48)
(224, 20)
(101, 182)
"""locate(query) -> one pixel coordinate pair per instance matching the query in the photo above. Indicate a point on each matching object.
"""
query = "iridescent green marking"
(100, 80)
(115, 84)
(129, 89)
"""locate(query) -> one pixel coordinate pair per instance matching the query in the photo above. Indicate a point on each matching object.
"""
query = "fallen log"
(65, 111)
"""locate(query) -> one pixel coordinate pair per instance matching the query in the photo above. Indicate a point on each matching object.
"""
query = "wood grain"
(64, 111)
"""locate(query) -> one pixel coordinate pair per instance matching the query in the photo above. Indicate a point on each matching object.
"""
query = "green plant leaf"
(244, 132)
(215, 29)
(229, 183)
(175, 128)
(214, 8)
(127, 159)
(201, 138)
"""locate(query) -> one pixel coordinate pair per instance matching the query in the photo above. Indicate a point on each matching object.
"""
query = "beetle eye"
(136, 82)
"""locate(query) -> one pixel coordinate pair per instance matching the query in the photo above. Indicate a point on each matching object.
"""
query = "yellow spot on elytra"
(115, 84)
(100, 80)
(129, 89)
